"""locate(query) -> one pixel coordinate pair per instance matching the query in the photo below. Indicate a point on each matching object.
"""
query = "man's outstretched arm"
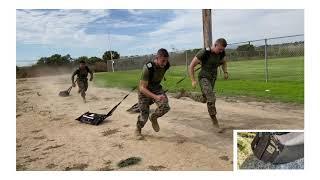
(143, 89)
(225, 68)
(91, 74)
(195, 61)
(72, 77)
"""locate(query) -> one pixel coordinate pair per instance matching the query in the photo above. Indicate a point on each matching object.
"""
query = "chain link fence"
(270, 59)
(177, 58)
(263, 59)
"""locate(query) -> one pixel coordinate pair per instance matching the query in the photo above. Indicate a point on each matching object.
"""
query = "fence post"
(187, 62)
(112, 65)
(249, 50)
(207, 28)
(266, 60)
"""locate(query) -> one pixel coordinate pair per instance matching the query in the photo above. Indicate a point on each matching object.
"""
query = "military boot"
(214, 121)
(138, 134)
(84, 99)
(154, 122)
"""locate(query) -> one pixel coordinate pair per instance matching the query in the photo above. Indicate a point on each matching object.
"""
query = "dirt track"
(48, 137)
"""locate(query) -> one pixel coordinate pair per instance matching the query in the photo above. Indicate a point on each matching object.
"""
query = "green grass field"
(247, 78)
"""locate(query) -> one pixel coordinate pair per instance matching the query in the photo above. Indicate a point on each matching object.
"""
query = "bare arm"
(224, 65)
(225, 68)
(72, 76)
(195, 61)
(91, 74)
(143, 89)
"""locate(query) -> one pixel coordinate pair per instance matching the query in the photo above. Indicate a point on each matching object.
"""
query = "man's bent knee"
(164, 109)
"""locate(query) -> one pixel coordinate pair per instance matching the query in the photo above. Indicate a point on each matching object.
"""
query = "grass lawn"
(247, 78)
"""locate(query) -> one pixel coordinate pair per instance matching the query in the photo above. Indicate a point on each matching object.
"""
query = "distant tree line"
(65, 63)
(59, 60)
(249, 51)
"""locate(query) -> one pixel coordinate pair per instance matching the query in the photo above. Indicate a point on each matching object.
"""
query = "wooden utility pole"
(207, 28)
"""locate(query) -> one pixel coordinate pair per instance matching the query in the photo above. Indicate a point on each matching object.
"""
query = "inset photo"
(270, 150)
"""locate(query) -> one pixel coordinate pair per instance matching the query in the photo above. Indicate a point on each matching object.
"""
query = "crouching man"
(150, 91)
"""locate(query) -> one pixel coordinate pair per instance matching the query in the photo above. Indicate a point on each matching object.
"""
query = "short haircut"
(82, 62)
(222, 42)
(162, 53)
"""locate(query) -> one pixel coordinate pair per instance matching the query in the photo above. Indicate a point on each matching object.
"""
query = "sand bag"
(92, 118)
(66, 92)
(278, 148)
(95, 118)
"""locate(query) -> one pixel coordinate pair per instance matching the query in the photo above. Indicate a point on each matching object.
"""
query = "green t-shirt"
(210, 61)
(158, 74)
(82, 74)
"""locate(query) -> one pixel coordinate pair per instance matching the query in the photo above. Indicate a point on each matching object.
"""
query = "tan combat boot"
(155, 124)
(138, 134)
(214, 121)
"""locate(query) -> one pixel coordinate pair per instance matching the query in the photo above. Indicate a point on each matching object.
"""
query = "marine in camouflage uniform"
(150, 91)
(82, 79)
(210, 59)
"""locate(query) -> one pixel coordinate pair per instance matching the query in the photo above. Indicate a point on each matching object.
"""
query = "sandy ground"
(247, 160)
(49, 137)
(252, 162)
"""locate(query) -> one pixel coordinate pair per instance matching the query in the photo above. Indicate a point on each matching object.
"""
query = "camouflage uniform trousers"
(208, 94)
(144, 106)
(83, 86)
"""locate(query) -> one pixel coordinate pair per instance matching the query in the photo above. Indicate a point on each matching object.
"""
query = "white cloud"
(182, 32)
(185, 20)
(108, 22)
(67, 28)
(62, 27)
(185, 29)
(134, 11)
(126, 24)
(243, 25)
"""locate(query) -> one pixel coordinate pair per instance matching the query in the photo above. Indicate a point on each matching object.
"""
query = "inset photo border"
(268, 149)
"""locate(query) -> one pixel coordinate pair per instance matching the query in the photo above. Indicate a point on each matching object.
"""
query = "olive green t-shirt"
(209, 63)
(157, 76)
(81, 73)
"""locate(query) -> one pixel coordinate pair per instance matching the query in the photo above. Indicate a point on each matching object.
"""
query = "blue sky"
(135, 32)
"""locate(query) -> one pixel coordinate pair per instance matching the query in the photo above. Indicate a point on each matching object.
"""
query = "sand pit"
(49, 137)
